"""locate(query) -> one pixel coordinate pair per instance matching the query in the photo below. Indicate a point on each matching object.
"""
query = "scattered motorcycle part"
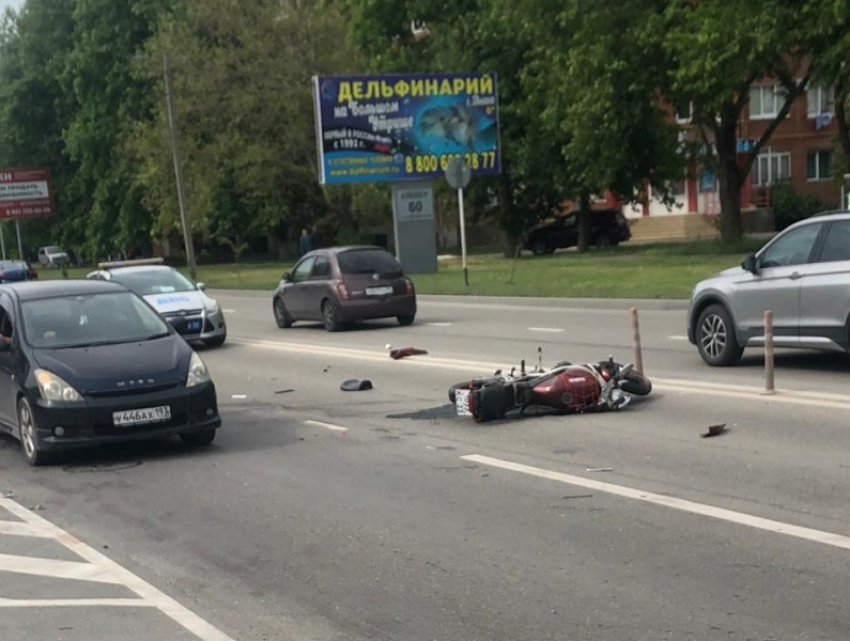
(406, 351)
(283, 391)
(715, 430)
(355, 385)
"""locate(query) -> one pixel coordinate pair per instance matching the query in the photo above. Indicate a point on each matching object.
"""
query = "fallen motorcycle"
(567, 388)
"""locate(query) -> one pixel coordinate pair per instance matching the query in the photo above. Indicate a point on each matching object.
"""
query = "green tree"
(34, 110)
(595, 78)
(242, 94)
(716, 51)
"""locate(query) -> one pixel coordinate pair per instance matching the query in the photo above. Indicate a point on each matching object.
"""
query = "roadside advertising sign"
(405, 127)
(25, 193)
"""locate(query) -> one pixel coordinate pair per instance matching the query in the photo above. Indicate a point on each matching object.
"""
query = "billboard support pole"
(2, 241)
(20, 244)
(462, 236)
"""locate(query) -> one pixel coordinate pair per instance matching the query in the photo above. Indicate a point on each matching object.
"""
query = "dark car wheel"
(716, 339)
(406, 319)
(538, 247)
(603, 240)
(198, 439)
(281, 316)
(26, 434)
(329, 317)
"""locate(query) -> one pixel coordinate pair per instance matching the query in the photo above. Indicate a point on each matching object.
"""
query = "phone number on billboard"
(431, 163)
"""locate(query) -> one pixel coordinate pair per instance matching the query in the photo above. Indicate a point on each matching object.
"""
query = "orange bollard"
(768, 353)
(636, 341)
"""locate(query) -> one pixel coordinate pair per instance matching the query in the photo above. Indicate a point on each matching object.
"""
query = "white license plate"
(462, 402)
(379, 291)
(141, 416)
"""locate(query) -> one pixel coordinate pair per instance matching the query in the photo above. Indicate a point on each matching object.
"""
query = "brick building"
(801, 150)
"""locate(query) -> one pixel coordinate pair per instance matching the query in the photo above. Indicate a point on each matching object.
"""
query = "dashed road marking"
(778, 527)
(440, 324)
(677, 338)
(94, 567)
(328, 426)
(229, 311)
(553, 330)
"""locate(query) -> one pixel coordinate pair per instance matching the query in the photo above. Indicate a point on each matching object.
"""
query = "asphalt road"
(324, 515)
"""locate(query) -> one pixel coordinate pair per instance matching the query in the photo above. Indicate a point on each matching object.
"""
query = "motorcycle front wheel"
(636, 383)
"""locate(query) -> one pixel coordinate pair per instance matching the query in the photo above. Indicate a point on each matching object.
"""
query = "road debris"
(600, 469)
(8, 495)
(283, 391)
(355, 385)
(406, 351)
(715, 430)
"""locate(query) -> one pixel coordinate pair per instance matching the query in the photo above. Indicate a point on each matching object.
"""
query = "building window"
(766, 101)
(771, 166)
(820, 101)
(684, 112)
(819, 165)
(677, 188)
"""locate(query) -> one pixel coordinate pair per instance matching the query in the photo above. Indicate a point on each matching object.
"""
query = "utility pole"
(178, 173)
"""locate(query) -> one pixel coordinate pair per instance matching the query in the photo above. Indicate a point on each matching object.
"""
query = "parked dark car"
(339, 285)
(85, 362)
(609, 227)
(12, 271)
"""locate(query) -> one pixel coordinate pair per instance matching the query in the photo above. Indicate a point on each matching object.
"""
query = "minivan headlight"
(198, 373)
(54, 388)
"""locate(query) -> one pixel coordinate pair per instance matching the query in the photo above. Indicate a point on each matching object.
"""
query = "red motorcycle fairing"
(573, 389)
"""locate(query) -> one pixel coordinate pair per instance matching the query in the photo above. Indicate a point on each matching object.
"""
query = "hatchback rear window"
(368, 261)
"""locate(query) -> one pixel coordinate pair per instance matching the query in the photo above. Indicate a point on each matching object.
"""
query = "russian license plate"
(142, 416)
(193, 326)
(379, 291)
(462, 402)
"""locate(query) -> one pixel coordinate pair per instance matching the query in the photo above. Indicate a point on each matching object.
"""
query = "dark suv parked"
(608, 227)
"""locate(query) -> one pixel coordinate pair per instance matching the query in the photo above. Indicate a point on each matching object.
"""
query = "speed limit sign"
(415, 203)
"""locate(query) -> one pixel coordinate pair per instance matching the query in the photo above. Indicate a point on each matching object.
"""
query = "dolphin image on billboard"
(405, 127)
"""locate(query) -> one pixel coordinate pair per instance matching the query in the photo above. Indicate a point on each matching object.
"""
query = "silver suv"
(802, 275)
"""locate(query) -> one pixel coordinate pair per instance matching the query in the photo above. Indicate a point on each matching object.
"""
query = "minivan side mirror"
(750, 264)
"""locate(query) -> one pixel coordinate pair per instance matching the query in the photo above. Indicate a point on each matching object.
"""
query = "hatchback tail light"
(408, 286)
(342, 290)
(32, 275)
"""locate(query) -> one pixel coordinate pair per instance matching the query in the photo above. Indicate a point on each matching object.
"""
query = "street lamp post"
(178, 172)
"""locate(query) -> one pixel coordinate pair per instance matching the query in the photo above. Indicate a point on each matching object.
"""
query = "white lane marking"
(677, 338)
(545, 329)
(440, 324)
(329, 426)
(148, 594)
(56, 569)
(778, 527)
(229, 311)
(66, 603)
(815, 399)
(21, 529)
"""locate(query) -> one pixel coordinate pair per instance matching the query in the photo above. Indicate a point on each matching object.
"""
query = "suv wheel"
(716, 339)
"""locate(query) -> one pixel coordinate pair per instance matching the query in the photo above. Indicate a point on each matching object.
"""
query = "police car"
(193, 314)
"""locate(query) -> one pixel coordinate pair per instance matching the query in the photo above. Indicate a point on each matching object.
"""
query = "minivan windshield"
(368, 261)
(97, 319)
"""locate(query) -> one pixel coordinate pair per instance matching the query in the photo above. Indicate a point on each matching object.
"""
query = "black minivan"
(609, 227)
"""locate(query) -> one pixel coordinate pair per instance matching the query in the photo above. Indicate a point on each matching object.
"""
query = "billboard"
(405, 127)
(25, 193)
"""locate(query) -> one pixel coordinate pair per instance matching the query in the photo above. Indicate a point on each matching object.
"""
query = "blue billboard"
(404, 127)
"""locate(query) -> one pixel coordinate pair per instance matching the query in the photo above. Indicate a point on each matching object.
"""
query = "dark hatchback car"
(90, 362)
(609, 227)
(339, 285)
(13, 271)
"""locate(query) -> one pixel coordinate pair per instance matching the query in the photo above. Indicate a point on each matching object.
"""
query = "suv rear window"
(368, 261)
